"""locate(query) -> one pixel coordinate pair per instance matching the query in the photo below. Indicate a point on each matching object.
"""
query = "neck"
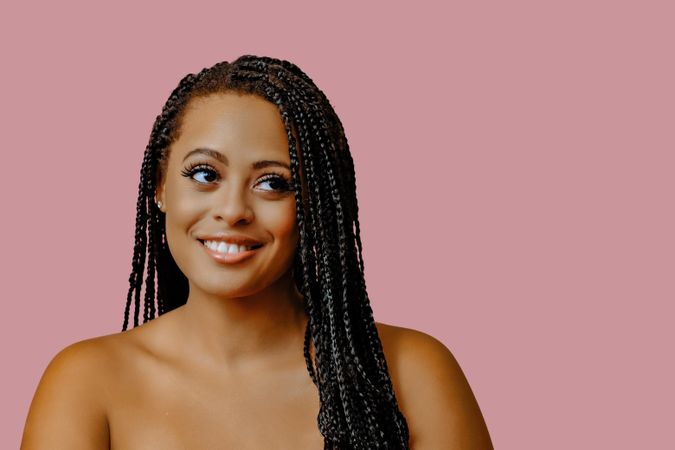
(240, 332)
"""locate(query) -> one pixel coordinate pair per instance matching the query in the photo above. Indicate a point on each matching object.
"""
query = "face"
(229, 174)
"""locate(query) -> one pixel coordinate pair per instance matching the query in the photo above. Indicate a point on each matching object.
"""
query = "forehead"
(232, 123)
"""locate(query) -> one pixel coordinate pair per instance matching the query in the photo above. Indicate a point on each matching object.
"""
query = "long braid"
(346, 317)
(345, 271)
(358, 406)
(139, 253)
(375, 346)
(349, 184)
(146, 211)
(333, 314)
(332, 420)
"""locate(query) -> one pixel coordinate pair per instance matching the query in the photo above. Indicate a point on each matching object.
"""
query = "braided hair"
(358, 406)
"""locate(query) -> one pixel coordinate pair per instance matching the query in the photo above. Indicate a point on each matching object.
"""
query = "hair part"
(358, 405)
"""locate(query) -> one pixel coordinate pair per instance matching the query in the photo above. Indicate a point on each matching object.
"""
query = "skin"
(226, 369)
(240, 314)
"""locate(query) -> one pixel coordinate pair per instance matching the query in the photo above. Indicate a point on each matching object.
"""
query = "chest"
(171, 410)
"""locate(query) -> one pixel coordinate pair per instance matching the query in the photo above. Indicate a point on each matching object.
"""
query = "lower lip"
(230, 258)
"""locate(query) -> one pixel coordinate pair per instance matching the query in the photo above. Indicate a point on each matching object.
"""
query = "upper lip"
(238, 239)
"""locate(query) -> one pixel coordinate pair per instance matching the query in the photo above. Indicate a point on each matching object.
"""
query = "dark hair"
(358, 406)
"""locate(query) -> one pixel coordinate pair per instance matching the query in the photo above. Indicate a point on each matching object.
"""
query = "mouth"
(224, 248)
(225, 253)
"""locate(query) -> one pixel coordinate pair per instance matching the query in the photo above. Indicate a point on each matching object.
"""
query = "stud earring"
(159, 204)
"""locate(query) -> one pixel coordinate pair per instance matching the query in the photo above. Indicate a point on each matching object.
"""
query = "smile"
(223, 252)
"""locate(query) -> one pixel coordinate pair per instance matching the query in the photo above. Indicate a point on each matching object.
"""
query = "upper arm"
(441, 409)
(67, 411)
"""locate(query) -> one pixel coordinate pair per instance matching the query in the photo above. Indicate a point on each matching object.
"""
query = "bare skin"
(169, 398)
(226, 370)
(132, 390)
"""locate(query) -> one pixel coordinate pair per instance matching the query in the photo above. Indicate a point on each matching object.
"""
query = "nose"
(233, 206)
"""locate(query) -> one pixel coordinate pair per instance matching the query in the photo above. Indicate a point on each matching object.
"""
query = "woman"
(265, 338)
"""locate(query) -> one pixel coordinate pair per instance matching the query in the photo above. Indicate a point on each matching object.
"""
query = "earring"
(159, 204)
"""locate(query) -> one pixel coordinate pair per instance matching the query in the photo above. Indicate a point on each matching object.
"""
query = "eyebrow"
(223, 159)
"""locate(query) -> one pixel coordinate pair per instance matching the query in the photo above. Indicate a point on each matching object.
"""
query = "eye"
(279, 183)
(199, 168)
(282, 183)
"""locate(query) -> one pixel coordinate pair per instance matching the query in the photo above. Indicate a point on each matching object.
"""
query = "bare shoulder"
(432, 391)
(68, 407)
(85, 383)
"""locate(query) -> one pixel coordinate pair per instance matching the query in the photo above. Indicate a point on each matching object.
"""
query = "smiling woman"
(226, 185)
(257, 329)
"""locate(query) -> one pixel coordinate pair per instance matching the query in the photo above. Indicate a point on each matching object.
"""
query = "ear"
(159, 191)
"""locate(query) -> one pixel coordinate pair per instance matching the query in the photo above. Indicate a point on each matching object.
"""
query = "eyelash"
(194, 168)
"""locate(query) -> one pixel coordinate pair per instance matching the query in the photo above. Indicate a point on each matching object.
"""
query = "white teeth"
(223, 247)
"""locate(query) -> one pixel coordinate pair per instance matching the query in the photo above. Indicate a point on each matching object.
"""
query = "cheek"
(186, 209)
(183, 206)
(281, 223)
(182, 212)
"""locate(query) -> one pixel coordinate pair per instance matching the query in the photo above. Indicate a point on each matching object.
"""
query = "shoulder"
(68, 407)
(432, 391)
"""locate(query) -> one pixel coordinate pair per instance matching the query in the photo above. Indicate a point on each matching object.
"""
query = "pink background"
(515, 175)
